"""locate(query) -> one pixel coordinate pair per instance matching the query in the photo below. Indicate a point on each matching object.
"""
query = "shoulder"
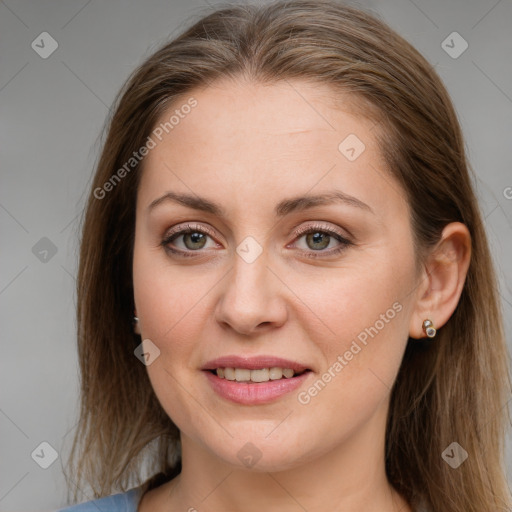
(121, 502)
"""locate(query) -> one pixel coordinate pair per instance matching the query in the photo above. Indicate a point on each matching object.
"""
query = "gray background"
(52, 111)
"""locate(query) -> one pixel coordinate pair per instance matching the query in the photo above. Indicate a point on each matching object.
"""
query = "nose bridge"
(250, 277)
(251, 292)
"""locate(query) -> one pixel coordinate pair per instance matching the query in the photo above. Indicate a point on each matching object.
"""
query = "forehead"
(267, 141)
(263, 112)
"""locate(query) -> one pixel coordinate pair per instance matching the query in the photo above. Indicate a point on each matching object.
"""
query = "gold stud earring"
(428, 328)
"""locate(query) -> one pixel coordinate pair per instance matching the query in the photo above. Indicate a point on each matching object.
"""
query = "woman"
(285, 297)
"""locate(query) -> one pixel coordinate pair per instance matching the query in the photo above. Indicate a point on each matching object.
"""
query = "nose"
(253, 299)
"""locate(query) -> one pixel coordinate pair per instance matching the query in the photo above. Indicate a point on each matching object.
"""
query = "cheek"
(358, 304)
(170, 304)
(362, 336)
(169, 298)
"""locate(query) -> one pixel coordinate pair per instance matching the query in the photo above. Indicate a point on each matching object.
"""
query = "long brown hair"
(454, 390)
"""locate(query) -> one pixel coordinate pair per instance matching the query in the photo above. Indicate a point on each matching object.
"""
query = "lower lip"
(254, 393)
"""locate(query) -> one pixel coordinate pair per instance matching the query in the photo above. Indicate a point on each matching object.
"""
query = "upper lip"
(253, 363)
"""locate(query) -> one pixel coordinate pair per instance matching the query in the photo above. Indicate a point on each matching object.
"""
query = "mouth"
(252, 381)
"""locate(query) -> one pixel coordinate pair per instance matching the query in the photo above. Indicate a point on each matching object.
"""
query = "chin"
(253, 453)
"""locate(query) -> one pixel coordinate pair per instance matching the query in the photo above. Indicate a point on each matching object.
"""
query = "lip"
(254, 393)
(254, 363)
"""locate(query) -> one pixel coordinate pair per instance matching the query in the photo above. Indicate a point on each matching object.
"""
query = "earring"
(136, 328)
(428, 328)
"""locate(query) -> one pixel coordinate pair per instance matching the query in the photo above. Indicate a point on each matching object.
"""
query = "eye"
(194, 238)
(319, 237)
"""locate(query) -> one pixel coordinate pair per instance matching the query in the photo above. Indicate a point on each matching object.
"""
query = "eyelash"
(191, 228)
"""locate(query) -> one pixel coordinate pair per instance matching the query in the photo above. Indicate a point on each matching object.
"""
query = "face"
(253, 273)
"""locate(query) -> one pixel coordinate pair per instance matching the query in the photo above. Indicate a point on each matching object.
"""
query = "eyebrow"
(285, 207)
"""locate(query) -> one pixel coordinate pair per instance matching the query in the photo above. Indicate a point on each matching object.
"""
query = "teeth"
(229, 373)
(242, 375)
(261, 375)
(275, 373)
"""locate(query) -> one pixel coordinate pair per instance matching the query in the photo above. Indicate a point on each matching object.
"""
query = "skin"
(247, 147)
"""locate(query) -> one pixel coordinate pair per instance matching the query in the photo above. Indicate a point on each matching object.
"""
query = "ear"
(136, 326)
(442, 279)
